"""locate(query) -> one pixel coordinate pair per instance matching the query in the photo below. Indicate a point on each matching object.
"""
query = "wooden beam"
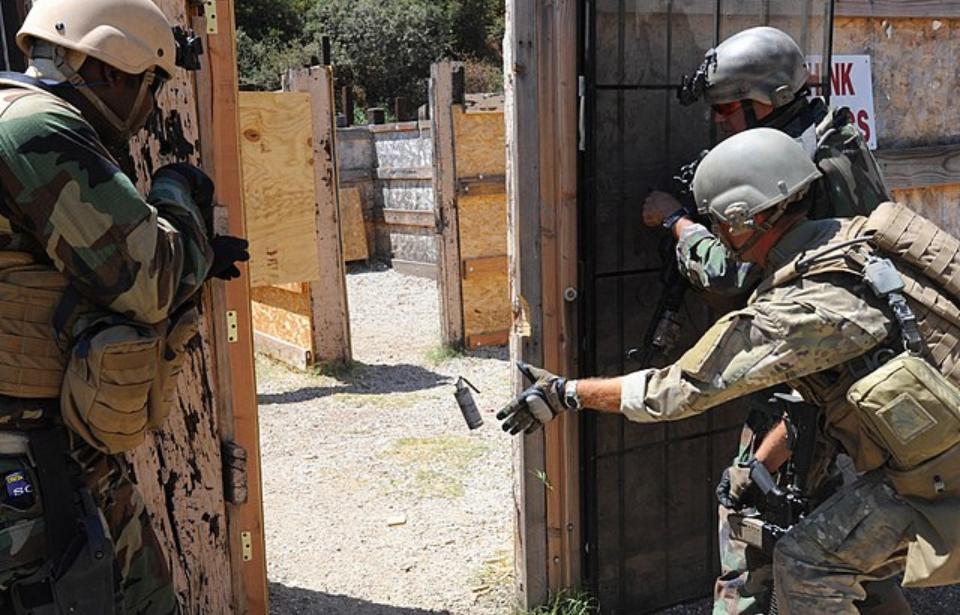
(557, 45)
(409, 217)
(445, 201)
(921, 167)
(238, 408)
(330, 325)
(521, 109)
(496, 338)
(413, 173)
(476, 267)
(282, 351)
(898, 8)
(482, 185)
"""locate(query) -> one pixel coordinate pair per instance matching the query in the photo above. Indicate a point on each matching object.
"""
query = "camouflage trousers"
(859, 534)
(746, 580)
(145, 575)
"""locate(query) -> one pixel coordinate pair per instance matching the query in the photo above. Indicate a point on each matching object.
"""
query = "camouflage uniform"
(66, 202)
(805, 333)
(852, 185)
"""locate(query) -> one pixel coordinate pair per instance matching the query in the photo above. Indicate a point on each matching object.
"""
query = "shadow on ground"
(363, 379)
(296, 601)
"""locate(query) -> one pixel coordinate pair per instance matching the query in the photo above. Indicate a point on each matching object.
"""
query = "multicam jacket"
(810, 333)
(852, 184)
(66, 202)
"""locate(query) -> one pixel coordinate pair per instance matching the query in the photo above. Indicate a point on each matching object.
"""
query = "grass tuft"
(442, 354)
(566, 602)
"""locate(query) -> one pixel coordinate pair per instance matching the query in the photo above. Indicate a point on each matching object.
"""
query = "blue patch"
(18, 485)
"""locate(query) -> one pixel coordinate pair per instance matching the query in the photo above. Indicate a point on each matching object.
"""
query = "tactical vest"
(917, 441)
(33, 357)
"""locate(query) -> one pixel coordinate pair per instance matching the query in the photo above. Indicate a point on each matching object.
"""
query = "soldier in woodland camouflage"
(758, 77)
(818, 328)
(69, 215)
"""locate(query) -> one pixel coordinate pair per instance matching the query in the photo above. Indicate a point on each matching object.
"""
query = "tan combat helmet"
(751, 172)
(762, 64)
(131, 35)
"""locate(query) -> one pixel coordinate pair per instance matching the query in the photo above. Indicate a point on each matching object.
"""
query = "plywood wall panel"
(352, 226)
(479, 143)
(276, 146)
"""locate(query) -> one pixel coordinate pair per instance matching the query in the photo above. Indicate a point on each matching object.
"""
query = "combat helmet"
(751, 172)
(762, 64)
(133, 36)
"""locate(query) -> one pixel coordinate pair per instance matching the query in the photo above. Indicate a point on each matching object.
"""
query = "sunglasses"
(726, 109)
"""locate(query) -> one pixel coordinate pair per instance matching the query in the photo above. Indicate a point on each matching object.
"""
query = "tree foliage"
(384, 48)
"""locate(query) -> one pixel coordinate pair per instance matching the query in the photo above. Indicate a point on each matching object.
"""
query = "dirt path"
(378, 499)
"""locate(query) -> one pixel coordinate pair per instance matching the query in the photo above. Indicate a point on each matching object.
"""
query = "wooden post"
(238, 401)
(523, 247)
(347, 103)
(445, 201)
(328, 298)
(541, 86)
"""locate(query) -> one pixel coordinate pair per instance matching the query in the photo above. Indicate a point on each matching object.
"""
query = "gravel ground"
(378, 499)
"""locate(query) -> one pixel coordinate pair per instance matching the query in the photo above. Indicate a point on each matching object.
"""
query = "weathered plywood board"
(282, 297)
(352, 227)
(483, 226)
(277, 322)
(915, 85)
(479, 143)
(276, 148)
(486, 308)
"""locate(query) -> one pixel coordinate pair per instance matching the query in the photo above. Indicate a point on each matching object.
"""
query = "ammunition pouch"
(122, 377)
(910, 409)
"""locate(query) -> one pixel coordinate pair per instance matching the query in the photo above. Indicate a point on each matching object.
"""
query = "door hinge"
(210, 14)
(233, 328)
(246, 541)
(234, 458)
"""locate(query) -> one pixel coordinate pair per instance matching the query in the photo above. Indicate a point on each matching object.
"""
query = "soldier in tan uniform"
(821, 324)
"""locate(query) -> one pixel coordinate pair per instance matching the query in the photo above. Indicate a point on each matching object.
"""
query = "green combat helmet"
(762, 64)
(749, 173)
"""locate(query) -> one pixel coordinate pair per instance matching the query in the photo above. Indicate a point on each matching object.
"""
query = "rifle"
(785, 503)
(664, 328)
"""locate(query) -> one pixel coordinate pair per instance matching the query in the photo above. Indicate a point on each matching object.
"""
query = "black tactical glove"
(537, 405)
(197, 183)
(736, 489)
(227, 250)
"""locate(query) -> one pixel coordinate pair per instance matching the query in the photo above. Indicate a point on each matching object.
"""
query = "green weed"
(439, 466)
(566, 602)
(442, 354)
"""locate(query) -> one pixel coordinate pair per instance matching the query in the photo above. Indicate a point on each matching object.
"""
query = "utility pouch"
(910, 408)
(81, 580)
(107, 384)
(183, 327)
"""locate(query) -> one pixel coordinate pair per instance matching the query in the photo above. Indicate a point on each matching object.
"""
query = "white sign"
(851, 85)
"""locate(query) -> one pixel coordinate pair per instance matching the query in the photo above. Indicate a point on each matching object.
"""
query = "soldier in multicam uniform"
(758, 78)
(814, 327)
(77, 226)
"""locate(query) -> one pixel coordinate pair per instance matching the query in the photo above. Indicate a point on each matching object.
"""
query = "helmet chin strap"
(749, 114)
(760, 231)
(123, 127)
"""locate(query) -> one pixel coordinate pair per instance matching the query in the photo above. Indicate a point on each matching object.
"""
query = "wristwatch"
(672, 219)
(570, 398)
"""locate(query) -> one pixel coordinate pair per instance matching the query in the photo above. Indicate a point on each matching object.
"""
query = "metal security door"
(648, 491)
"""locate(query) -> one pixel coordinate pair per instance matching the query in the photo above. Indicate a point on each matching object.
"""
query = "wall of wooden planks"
(913, 46)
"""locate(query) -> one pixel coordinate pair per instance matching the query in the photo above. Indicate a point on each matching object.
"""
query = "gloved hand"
(227, 250)
(537, 405)
(197, 183)
(736, 489)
